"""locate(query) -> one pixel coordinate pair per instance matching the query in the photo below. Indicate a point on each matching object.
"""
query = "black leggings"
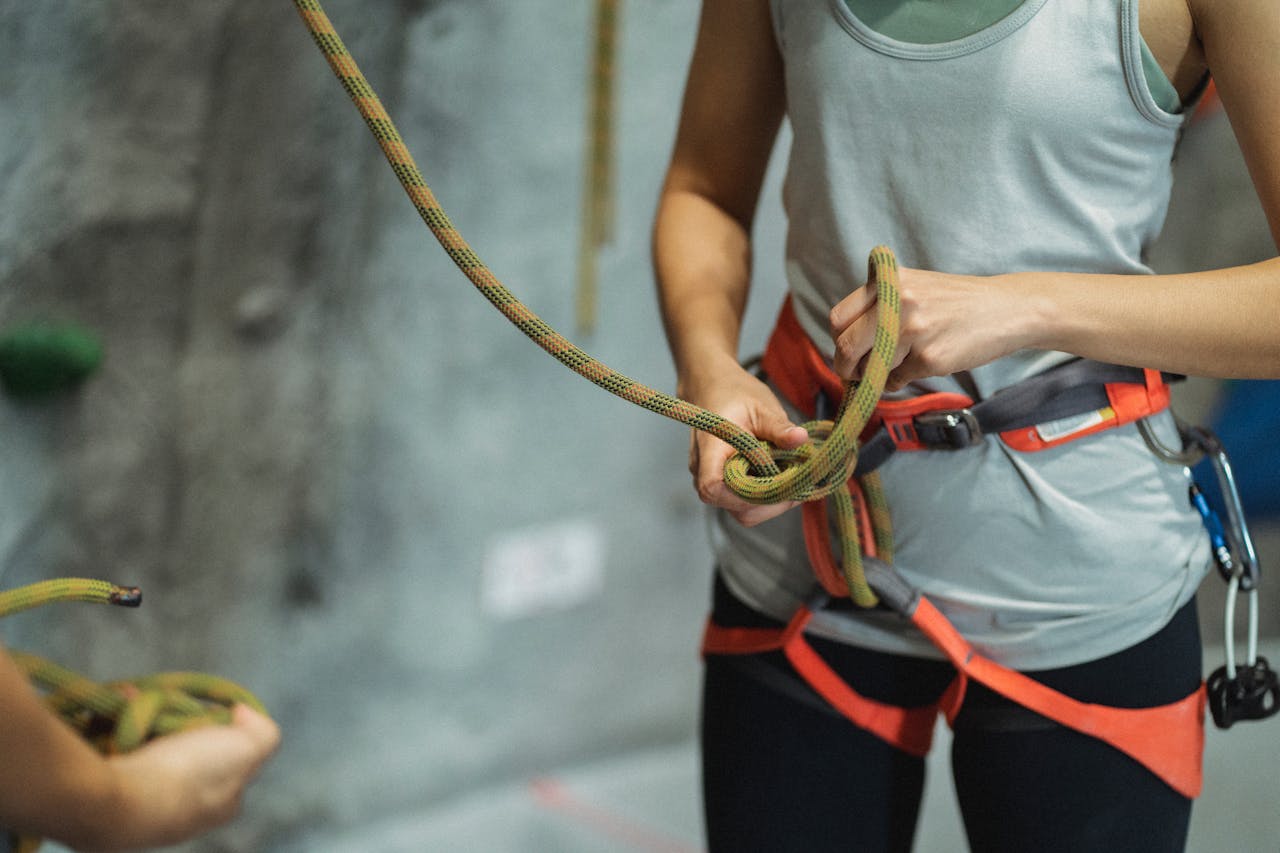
(784, 772)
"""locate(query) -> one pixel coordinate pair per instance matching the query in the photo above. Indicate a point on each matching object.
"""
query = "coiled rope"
(757, 472)
(118, 716)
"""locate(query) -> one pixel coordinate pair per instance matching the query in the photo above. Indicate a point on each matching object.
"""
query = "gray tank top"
(1033, 144)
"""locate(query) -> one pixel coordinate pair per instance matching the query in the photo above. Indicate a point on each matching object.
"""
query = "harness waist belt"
(1075, 399)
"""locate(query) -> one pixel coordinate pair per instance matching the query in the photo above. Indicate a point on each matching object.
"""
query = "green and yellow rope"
(758, 473)
(119, 716)
(67, 589)
(598, 197)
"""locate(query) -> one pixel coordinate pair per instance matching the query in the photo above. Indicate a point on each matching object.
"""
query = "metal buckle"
(944, 429)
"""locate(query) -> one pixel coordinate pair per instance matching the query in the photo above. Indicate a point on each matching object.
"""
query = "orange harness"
(1168, 739)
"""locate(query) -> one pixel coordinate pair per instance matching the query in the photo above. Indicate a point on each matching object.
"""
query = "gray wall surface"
(442, 560)
(322, 455)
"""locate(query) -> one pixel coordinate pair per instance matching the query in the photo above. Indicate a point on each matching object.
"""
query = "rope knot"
(809, 472)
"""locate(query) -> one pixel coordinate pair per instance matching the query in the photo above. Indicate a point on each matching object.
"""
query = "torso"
(1033, 143)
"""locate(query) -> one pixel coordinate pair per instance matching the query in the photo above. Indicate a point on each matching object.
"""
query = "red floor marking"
(553, 795)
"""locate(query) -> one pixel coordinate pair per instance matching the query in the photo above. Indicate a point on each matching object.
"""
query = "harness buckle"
(941, 421)
(948, 429)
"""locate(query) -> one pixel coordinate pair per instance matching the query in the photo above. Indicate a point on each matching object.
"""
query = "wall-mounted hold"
(261, 312)
(39, 360)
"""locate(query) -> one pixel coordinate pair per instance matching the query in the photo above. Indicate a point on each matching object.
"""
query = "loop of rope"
(827, 461)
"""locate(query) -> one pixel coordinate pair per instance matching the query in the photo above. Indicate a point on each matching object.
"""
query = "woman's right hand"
(740, 397)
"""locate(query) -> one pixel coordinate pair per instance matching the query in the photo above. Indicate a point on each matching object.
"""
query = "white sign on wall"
(543, 569)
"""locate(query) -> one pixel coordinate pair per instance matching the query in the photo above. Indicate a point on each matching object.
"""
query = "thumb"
(260, 728)
(780, 432)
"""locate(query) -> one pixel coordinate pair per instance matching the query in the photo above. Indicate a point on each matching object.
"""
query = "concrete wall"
(441, 559)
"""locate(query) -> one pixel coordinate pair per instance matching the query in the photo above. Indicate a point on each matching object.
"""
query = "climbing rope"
(598, 196)
(757, 472)
(118, 716)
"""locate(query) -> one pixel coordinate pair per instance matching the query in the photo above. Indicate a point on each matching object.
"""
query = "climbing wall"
(441, 559)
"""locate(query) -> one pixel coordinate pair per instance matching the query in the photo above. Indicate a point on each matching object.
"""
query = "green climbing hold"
(41, 359)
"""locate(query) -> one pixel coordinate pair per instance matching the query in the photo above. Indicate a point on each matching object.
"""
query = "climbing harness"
(1078, 398)
(118, 716)
(1073, 402)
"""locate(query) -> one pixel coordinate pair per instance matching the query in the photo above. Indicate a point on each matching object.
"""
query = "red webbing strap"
(717, 640)
(817, 545)
(798, 370)
(817, 540)
(1168, 739)
(1132, 401)
(1129, 402)
(907, 729)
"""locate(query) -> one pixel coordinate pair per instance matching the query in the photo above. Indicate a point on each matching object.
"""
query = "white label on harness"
(1066, 427)
(543, 569)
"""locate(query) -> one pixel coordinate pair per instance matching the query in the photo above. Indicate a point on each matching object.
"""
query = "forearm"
(702, 259)
(54, 784)
(1220, 323)
(733, 106)
(169, 790)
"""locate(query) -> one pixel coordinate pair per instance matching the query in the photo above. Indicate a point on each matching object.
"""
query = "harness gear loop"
(1250, 691)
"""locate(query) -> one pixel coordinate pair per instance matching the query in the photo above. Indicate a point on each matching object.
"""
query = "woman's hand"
(742, 398)
(183, 785)
(949, 323)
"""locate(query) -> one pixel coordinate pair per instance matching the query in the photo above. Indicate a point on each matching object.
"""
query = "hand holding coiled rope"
(119, 716)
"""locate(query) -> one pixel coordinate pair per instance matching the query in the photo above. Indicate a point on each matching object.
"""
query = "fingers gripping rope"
(758, 473)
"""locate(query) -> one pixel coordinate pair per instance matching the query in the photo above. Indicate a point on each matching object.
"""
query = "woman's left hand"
(949, 323)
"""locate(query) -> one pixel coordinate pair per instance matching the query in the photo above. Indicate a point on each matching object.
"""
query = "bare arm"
(1222, 322)
(1216, 323)
(54, 785)
(733, 107)
(730, 118)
